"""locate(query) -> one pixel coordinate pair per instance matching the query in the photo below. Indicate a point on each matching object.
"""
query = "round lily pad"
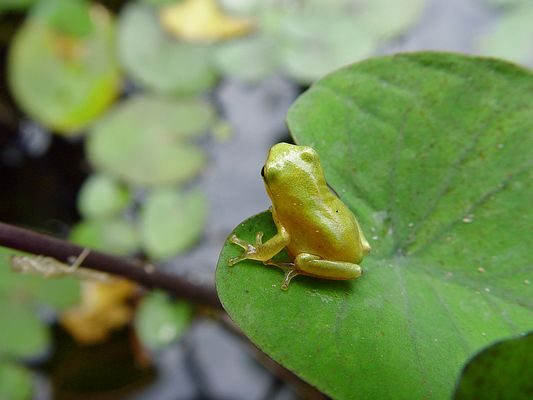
(15, 382)
(160, 321)
(23, 334)
(63, 81)
(172, 221)
(432, 153)
(115, 236)
(158, 62)
(102, 196)
(144, 140)
(316, 37)
(248, 59)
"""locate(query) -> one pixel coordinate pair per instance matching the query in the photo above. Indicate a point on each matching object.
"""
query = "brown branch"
(143, 274)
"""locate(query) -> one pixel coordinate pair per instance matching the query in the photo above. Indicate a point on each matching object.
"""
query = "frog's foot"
(249, 249)
(288, 268)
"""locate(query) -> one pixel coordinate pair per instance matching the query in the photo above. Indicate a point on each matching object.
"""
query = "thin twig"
(143, 274)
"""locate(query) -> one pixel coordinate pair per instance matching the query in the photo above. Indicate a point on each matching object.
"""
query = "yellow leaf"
(202, 20)
(104, 307)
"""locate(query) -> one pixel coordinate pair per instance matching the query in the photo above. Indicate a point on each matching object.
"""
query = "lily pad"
(501, 371)
(15, 382)
(34, 291)
(248, 59)
(114, 235)
(160, 321)
(144, 140)
(62, 81)
(157, 62)
(172, 221)
(70, 17)
(8, 5)
(512, 36)
(431, 152)
(102, 196)
(354, 30)
(23, 334)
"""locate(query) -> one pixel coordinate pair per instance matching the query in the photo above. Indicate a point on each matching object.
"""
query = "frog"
(321, 234)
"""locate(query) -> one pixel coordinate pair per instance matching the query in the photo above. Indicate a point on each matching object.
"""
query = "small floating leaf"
(111, 235)
(160, 321)
(23, 334)
(172, 221)
(248, 59)
(102, 196)
(143, 140)
(15, 382)
(158, 62)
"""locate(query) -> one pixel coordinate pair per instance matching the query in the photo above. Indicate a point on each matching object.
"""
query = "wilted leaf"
(104, 307)
(202, 20)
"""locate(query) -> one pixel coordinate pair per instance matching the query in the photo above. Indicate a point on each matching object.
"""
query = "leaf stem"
(143, 274)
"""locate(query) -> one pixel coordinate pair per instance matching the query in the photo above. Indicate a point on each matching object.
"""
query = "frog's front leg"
(261, 251)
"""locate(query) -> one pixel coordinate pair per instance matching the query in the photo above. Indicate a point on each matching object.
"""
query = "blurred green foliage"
(72, 59)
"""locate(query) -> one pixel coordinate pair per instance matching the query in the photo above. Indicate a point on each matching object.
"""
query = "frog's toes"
(233, 261)
(239, 242)
(291, 273)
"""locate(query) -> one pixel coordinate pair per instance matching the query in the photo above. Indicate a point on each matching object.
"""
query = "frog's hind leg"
(309, 264)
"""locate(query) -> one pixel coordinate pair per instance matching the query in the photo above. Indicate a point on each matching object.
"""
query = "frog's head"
(290, 166)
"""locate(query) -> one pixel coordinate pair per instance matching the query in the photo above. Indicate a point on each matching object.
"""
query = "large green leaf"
(431, 152)
(501, 371)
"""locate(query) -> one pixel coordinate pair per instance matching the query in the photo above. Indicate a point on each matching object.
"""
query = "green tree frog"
(322, 236)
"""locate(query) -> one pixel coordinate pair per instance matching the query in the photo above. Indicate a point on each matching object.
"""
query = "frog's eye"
(263, 171)
(308, 156)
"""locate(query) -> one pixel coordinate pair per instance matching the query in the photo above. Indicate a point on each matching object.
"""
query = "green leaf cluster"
(24, 334)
